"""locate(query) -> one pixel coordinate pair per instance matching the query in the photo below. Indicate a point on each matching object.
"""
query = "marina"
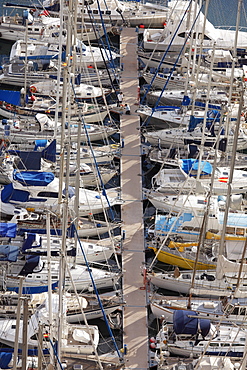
(122, 186)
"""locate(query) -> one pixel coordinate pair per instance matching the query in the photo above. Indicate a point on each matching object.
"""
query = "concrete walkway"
(135, 311)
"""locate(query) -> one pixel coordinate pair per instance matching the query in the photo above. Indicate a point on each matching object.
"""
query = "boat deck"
(133, 257)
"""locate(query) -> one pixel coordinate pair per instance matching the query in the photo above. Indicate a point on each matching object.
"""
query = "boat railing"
(232, 28)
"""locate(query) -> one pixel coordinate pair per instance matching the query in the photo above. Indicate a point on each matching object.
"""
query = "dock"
(135, 327)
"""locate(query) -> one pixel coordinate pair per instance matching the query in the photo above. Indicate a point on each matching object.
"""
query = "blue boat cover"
(187, 101)
(8, 230)
(9, 194)
(28, 242)
(49, 152)
(184, 324)
(31, 160)
(165, 223)
(30, 352)
(11, 97)
(9, 253)
(192, 164)
(33, 178)
(31, 263)
(5, 358)
(34, 289)
(28, 160)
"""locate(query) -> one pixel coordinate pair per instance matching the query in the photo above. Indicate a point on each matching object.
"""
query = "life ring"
(8, 106)
(33, 89)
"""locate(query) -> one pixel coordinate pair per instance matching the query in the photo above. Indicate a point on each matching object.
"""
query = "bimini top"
(33, 178)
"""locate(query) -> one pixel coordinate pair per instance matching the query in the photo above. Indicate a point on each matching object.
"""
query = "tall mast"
(219, 268)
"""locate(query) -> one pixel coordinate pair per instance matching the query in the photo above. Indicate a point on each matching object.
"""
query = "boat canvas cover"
(192, 164)
(33, 178)
(9, 194)
(8, 230)
(9, 253)
(31, 160)
(31, 263)
(165, 224)
(34, 289)
(10, 97)
(5, 358)
(187, 322)
(30, 239)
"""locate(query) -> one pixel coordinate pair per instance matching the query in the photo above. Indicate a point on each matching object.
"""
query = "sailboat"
(192, 336)
(76, 338)
(39, 190)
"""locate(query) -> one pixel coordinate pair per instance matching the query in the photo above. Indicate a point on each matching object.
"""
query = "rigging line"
(165, 54)
(107, 69)
(171, 72)
(98, 171)
(98, 297)
(107, 40)
(56, 354)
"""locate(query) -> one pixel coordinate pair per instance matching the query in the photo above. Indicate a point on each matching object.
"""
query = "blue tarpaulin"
(11, 97)
(33, 178)
(8, 230)
(192, 164)
(9, 253)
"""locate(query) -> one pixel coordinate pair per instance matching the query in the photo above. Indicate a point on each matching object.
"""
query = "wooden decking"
(135, 311)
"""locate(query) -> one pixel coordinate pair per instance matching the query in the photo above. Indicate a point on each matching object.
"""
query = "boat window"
(95, 11)
(108, 12)
(240, 231)
(48, 194)
(186, 276)
(242, 311)
(225, 344)
(214, 231)
(242, 339)
(189, 228)
(197, 229)
(54, 277)
(55, 241)
(201, 201)
(13, 326)
(235, 311)
(230, 230)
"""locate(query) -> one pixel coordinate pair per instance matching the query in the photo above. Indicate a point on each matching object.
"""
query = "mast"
(63, 201)
(220, 264)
